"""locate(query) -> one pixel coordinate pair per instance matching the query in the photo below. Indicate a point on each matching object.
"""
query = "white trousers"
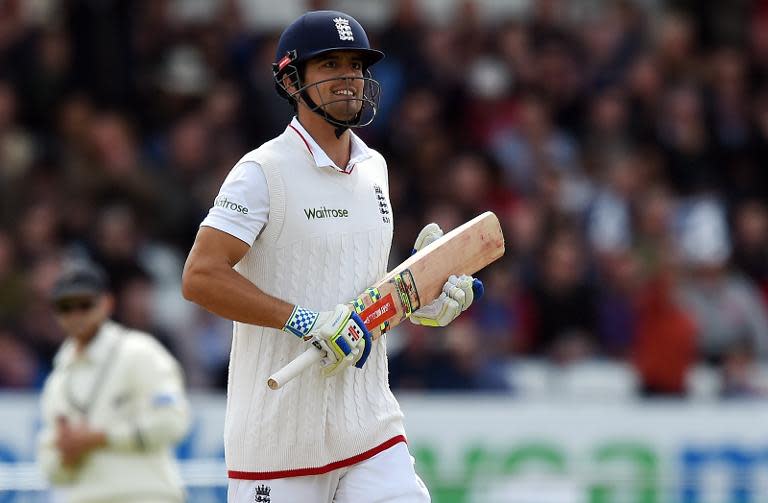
(388, 477)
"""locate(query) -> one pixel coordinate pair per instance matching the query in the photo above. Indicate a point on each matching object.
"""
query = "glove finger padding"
(429, 234)
(349, 340)
(333, 368)
(439, 313)
(460, 289)
(457, 296)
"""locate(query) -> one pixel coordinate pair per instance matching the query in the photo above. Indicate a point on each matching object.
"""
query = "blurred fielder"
(113, 406)
(301, 226)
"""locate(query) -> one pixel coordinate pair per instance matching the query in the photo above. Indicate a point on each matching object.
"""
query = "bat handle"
(295, 367)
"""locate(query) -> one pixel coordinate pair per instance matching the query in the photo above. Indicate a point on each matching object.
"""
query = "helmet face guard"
(367, 104)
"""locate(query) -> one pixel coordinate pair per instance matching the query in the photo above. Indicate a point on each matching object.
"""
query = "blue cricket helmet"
(317, 32)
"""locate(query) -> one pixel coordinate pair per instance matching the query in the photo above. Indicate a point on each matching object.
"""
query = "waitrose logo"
(324, 212)
(225, 203)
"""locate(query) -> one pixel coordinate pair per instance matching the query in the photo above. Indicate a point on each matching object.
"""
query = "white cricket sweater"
(327, 239)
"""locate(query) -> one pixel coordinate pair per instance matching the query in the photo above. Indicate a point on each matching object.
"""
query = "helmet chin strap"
(339, 125)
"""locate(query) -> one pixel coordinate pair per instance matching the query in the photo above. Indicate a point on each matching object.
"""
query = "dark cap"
(80, 278)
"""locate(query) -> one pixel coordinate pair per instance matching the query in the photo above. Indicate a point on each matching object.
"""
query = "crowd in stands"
(624, 148)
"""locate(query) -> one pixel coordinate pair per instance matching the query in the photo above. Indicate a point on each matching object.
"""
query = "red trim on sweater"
(302, 139)
(302, 472)
(313, 155)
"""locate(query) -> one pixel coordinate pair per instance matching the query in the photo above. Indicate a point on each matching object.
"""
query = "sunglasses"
(72, 305)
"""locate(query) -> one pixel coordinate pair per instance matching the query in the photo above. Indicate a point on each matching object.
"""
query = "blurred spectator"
(102, 57)
(643, 85)
(675, 45)
(727, 307)
(619, 178)
(564, 303)
(453, 365)
(475, 186)
(18, 366)
(617, 312)
(750, 246)
(14, 286)
(607, 128)
(37, 231)
(533, 147)
(729, 100)
(739, 370)
(134, 307)
(410, 368)
(688, 150)
(17, 147)
(665, 346)
(504, 316)
(204, 350)
(116, 241)
(753, 181)
(47, 78)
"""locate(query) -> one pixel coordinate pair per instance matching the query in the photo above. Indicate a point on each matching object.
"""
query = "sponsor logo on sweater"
(324, 212)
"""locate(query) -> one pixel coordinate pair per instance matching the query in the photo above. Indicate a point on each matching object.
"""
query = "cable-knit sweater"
(327, 239)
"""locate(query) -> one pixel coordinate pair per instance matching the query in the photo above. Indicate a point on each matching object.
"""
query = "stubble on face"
(341, 97)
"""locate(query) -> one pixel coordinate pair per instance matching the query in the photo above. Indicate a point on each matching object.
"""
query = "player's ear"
(288, 84)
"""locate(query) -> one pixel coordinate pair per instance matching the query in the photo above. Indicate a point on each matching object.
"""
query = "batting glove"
(458, 292)
(340, 333)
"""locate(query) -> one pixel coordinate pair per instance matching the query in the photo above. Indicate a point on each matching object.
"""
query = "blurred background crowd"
(623, 144)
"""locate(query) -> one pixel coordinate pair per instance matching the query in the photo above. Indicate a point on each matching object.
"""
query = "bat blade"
(415, 282)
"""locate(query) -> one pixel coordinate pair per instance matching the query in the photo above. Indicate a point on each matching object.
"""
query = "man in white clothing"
(114, 404)
(302, 226)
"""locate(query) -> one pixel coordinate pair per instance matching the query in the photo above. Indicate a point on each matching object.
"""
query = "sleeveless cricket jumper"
(327, 239)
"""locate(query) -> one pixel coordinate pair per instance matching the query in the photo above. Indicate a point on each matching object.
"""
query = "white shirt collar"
(359, 151)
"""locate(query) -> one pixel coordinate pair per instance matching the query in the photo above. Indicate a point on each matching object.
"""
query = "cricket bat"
(416, 282)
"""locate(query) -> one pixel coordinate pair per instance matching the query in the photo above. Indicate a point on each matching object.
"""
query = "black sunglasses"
(71, 305)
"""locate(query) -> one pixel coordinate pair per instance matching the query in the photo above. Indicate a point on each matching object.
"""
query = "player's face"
(80, 317)
(341, 96)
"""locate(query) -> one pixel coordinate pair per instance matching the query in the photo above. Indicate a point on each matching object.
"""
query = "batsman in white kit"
(300, 227)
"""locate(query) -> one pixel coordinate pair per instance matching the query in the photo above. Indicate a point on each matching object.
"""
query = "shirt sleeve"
(241, 207)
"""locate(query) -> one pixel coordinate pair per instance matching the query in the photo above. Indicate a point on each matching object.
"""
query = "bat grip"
(295, 367)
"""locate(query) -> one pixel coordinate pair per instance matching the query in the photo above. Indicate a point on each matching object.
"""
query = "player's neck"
(324, 134)
(83, 339)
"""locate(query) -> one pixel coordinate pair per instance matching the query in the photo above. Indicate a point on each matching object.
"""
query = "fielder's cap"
(80, 279)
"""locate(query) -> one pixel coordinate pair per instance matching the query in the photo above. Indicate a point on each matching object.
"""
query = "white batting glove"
(340, 333)
(430, 233)
(458, 293)
(457, 296)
